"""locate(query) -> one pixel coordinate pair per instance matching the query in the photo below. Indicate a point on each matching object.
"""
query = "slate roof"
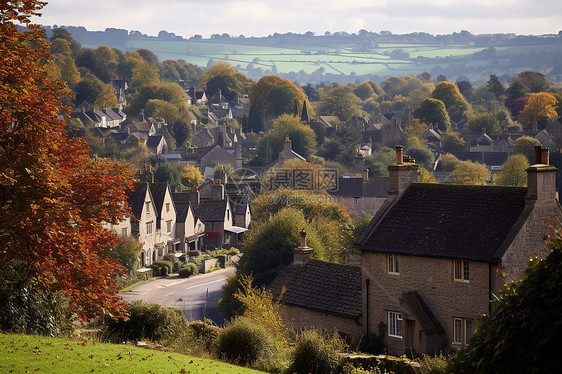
(210, 211)
(182, 208)
(451, 221)
(198, 153)
(488, 158)
(135, 198)
(322, 286)
(158, 190)
(154, 140)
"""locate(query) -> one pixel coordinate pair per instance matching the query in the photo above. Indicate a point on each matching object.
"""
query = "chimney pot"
(303, 238)
(545, 154)
(399, 154)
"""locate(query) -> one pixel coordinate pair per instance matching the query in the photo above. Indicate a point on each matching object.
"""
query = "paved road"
(197, 297)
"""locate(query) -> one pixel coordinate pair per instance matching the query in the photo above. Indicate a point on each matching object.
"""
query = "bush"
(244, 342)
(162, 268)
(221, 259)
(188, 271)
(317, 352)
(374, 343)
(25, 308)
(176, 263)
(194, 253)
(433, 365)
(146, 321)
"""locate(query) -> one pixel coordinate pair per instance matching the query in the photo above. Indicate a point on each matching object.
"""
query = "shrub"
(194, 253)
(244, 342)
(433, 365)
(176, 263)
(374, 343)
(221, 259)
(188, 270)
(165, 264)
(317, 352)
(146, 321)
(26, 308)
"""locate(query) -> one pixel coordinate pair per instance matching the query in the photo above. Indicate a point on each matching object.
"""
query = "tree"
(514, 91)
(453, 143)
(513, 172)
(447, 162)
(181, 132)
(433, 112)
(450, 95)
(533, 81)
(106, 98)
(341, 102)
(88, 90)
(486, 121)
(495, 86)
(519, 315)
(540, 106)
(342, 146)
(526, 146)
(166, 172)
(126, 250)
(54, 199)
(303, 139)
(221, 75)
(364, 91)
(162, 110)
(465, 88)
(273, 96)
(468, 172)
(191, 176)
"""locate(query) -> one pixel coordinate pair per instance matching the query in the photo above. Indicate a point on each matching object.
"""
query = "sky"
(263, 18)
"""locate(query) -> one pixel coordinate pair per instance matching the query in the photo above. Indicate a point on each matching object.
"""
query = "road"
(197, 297)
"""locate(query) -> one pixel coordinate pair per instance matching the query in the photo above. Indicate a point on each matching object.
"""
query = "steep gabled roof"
(135, 198)
(158, 190)
(451, 221)
(154, 140)
(322, 286)
(182, 209)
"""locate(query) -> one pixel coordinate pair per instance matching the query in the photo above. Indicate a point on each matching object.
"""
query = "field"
(334, 59)
(28, 354)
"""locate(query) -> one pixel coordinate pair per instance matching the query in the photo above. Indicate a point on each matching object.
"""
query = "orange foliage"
(54, 199)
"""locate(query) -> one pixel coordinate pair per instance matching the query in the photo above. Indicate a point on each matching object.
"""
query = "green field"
(30, 354)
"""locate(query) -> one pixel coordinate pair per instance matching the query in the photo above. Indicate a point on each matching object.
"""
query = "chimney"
(287, 145)
(238, 155)
(541, 179)
(146, 175)
(194, 197)
(402, 173)
(218, 190)
(366, 174)
(359, 163)
(220, 174)
(303, 253)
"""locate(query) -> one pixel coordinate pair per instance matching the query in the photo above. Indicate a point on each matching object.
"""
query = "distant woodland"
(342, 57)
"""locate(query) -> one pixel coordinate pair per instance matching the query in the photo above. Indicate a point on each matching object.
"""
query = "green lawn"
(39, 354)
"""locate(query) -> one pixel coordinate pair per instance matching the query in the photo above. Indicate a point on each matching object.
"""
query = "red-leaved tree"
(54, 199)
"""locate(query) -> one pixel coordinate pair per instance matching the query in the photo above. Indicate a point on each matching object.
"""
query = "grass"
(29, 354)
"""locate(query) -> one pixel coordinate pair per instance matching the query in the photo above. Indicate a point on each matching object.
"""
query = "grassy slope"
(28, 354)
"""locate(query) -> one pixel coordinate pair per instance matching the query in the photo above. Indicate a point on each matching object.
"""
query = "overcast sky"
(262, 18)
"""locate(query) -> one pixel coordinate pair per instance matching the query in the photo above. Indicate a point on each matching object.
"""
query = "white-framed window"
(149, 228)
(124, 231)
(395, 324)
(169, 226)
(147, 208)
(461, 271)
(392, 266)
(356, 201)
(167, 207)
(463, 330)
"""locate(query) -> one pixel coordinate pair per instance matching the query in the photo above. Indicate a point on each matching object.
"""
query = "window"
(461, 271)
(356, 201)
(124, 231)
(147, 205)
(392, 264)
(169, 226)
(167, 207)
(148, 228)
(463, 331)
(228, 214)
(395, 324)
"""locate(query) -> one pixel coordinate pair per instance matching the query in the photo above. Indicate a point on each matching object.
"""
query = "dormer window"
(461, 270)
(147, 208)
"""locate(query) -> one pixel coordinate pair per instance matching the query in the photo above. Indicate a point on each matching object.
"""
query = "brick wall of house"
(301, 319)
(432, 278)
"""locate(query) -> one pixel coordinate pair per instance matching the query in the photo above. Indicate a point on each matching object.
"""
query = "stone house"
(143, 220)
(157, 144)
(165, 240)
(190, 230)
(321, 295)
(435, 255)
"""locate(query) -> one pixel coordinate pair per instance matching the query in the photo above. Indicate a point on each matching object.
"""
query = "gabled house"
(286, 154)
(143, 220)
(190, 230)
(157, 144)
(165, 240)
(321, 295)
(435, 255)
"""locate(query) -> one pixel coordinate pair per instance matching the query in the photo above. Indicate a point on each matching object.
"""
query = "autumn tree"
(273, 96)
(468, 172)
(513, 172)
(339, 101)
(541, 106)
(450, 95)
(221, 75)
(54, 199)
(191, 176)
